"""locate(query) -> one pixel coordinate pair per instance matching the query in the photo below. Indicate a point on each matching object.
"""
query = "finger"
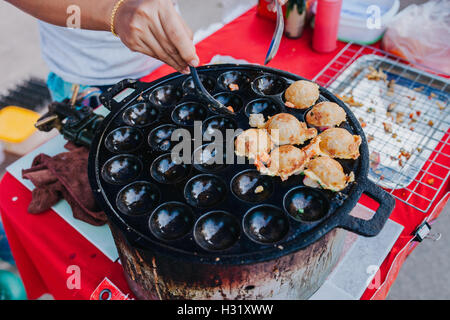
(152, 44)
(144, 49)
(186, 27)
(158, 32)
(175, 31)
(188, 30)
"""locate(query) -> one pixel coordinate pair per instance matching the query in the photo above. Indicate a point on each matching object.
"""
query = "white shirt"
(91, 57)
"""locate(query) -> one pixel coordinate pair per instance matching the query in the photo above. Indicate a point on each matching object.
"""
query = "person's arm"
(152, 27)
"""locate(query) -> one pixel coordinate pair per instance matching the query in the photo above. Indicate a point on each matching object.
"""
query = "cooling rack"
(403, 108)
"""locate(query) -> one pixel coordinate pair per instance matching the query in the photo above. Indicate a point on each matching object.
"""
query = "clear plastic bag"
(421, 33)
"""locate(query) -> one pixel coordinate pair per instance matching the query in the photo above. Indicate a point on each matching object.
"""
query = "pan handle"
(107, 97)
(372, 227)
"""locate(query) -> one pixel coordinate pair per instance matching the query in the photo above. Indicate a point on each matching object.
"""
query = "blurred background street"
(424, 275)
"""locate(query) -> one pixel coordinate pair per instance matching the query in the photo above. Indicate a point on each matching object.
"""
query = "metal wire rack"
(405, 116)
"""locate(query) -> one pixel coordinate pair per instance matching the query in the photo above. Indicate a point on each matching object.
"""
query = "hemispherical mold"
(138, 198)
(205, 190)
(121, 169)
(171, 221)
(166, 96)
(218, 123)
(123, 139)
(306, 204)
(160, 138)
(140, 115)
(302, 116)
(185, 114)
(209, 158)
(217, 231)
(267, 107)
(265, 224)
(251, 186)
(165, 170)
(189, 86)
(230, 100)
(269, 85)
(233, 80)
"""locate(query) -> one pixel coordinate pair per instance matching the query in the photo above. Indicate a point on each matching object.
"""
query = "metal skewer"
(278, 34)
(213, 104)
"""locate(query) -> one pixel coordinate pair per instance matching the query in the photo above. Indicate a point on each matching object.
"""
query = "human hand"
(272, 6)
(154, 28)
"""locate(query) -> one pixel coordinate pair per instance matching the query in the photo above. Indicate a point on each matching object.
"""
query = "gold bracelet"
(113, 16)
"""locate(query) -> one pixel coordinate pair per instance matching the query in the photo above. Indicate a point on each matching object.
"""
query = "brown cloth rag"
(64, 176)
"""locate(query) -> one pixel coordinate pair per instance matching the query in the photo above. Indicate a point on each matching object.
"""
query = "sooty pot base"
(294, 276)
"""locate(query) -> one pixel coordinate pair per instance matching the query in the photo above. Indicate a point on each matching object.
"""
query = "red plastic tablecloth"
(45, 246)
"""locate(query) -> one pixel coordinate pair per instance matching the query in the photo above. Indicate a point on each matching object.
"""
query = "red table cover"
(46, 248)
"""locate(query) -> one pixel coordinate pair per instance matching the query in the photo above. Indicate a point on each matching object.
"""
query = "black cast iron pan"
(154, 202)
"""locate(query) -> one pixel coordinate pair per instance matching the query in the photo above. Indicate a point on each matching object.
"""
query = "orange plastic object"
(17, 124)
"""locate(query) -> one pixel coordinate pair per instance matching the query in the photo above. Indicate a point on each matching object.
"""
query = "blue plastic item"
(5, 251)
(11, 287)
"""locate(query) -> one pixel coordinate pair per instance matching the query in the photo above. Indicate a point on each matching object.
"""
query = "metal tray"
(414, 91)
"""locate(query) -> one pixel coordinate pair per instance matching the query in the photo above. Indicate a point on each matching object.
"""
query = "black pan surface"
(158, 205)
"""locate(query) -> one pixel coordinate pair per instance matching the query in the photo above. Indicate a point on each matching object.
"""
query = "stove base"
(294, 276)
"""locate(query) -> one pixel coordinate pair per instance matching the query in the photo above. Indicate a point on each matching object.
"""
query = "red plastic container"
(326, 25)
